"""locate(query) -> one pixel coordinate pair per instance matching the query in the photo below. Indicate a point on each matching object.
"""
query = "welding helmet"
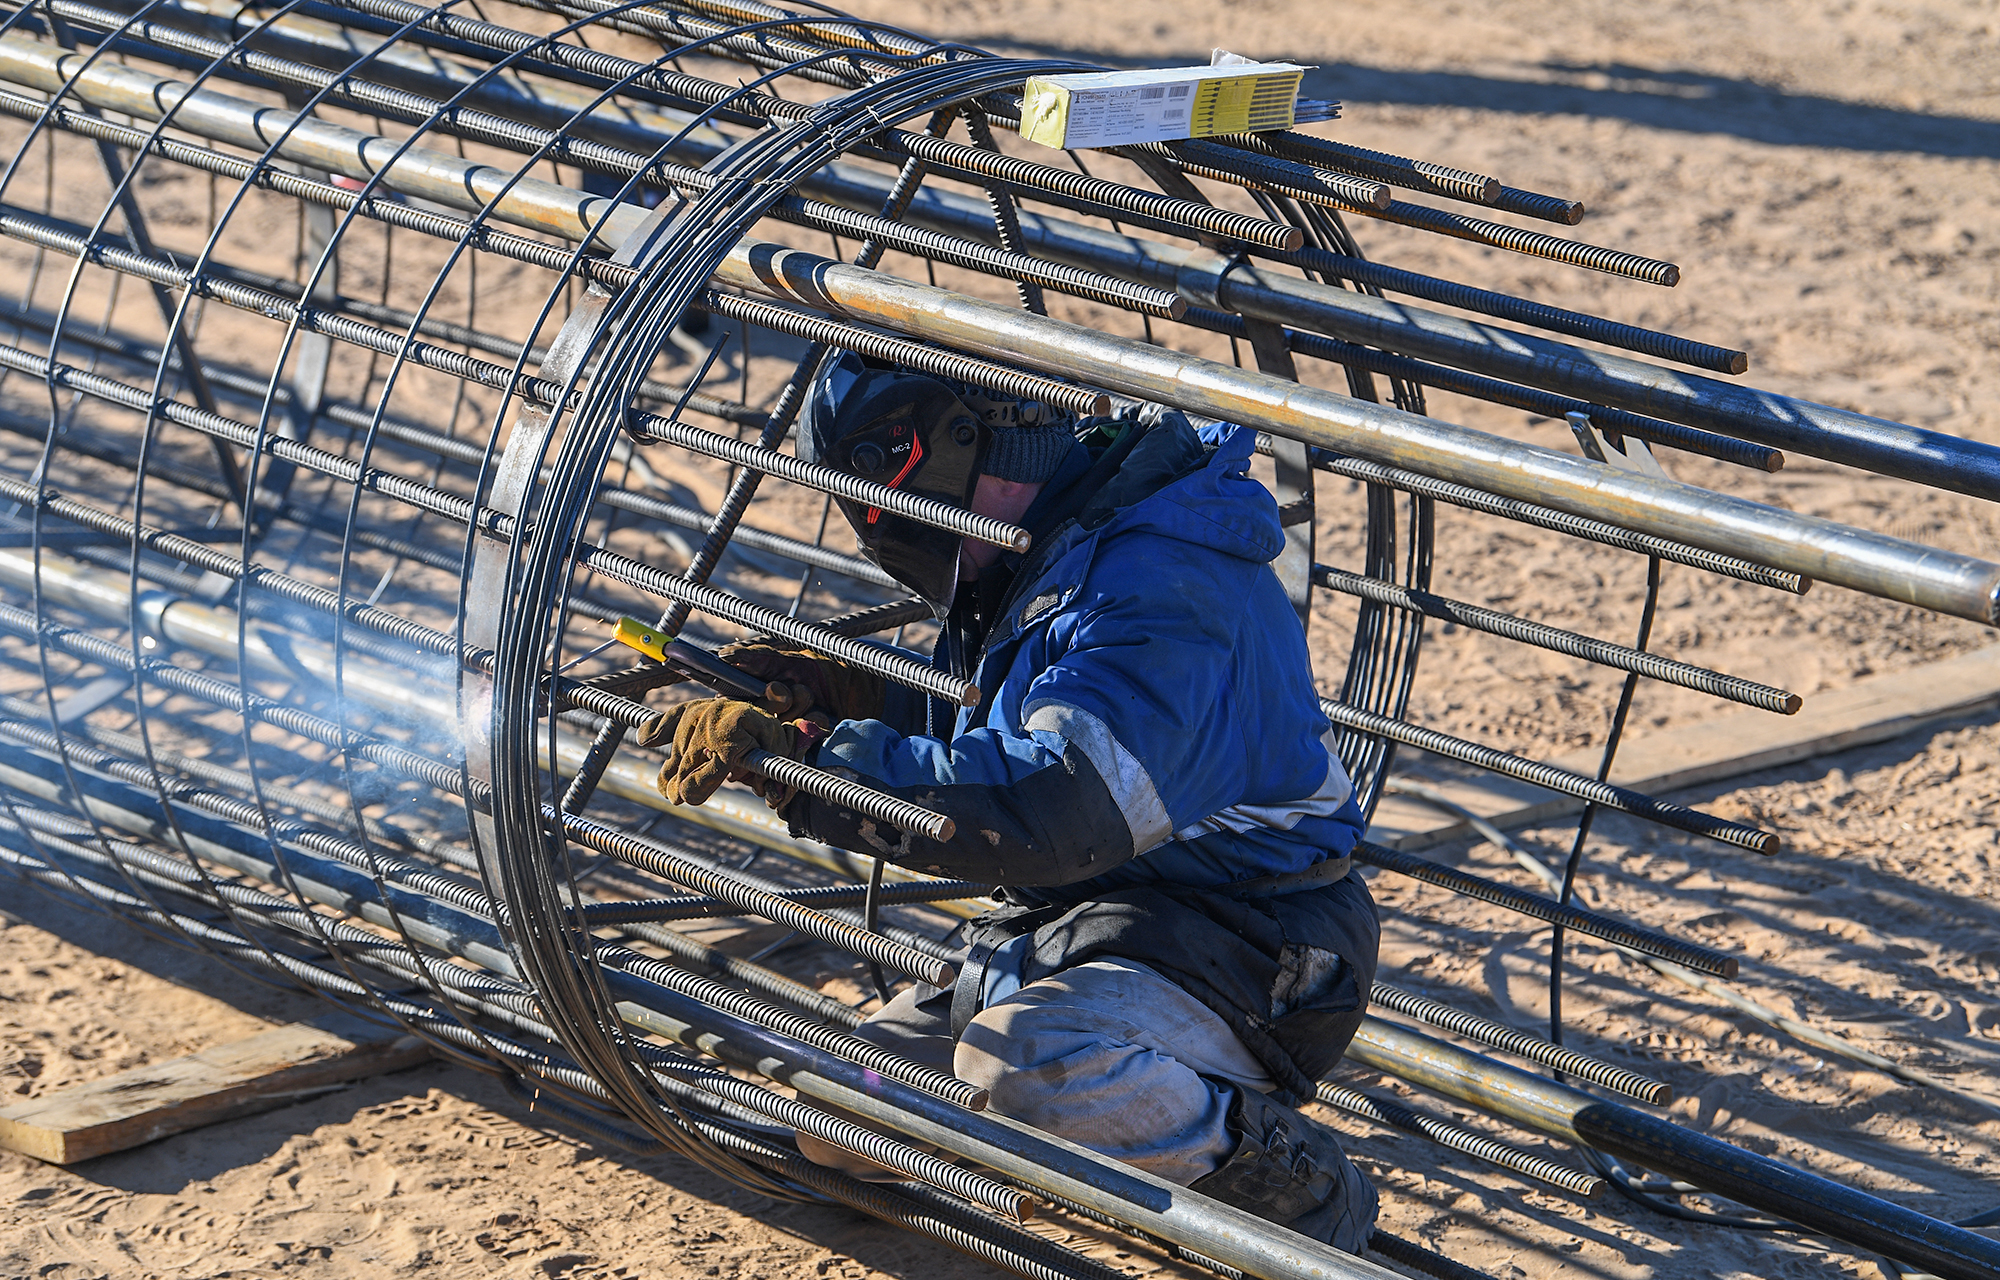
(913, 434)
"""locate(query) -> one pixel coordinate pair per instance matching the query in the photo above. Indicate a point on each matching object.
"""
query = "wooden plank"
(1729, 746)
(241, 1078)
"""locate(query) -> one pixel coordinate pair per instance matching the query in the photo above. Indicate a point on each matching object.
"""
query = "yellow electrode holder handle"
(697, 662)
(647, 639)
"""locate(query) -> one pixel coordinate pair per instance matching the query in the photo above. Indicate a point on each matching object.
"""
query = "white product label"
(1140, 113)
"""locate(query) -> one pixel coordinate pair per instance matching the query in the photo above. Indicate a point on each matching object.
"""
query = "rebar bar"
(1542, 636)
(1394, 1115)
(1522, 1045)
(1576, 919)
(1542, 774)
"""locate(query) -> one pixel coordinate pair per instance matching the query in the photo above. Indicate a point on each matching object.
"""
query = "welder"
(1181, 951)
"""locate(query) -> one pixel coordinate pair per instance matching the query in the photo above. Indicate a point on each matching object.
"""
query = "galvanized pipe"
(1574, 1116)
(1492, 390)
(1873, 563)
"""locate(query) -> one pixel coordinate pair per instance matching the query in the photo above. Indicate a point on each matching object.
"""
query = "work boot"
(1290, 1171)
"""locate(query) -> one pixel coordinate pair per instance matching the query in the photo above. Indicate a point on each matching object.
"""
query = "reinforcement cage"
(367, 361)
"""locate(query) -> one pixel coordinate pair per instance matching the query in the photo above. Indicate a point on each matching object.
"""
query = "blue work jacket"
(1147, 712)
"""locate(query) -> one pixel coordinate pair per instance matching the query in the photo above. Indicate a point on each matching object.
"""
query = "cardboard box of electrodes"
(1117, 108)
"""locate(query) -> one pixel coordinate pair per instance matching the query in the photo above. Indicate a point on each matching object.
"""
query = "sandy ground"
(1824, 174)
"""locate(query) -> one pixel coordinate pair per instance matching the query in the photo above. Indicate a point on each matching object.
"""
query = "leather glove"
(816, 682)
(710, 739)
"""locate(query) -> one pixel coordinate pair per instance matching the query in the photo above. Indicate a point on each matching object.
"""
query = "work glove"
(814, 682)
(710, 739)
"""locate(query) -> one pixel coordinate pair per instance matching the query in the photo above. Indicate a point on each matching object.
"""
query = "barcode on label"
(1148, 95)
(1180, 90)
(1175, 113)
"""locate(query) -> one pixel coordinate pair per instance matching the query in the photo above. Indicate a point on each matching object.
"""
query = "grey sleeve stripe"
(1333, 792)
(1127, 780)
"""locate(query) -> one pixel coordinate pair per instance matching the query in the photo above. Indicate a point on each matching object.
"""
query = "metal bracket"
(1627, 453)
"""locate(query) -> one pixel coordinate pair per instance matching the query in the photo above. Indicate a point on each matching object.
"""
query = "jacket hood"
(1174, 485)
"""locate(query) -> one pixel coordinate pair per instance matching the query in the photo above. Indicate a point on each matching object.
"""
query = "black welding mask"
(912, 434)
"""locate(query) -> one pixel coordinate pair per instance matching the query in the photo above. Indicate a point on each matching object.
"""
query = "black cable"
(1630, 686)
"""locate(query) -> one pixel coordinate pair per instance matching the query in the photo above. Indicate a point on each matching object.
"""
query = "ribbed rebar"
(1457, 1137)
(1543, 774)
(1533, 204)
(1575, 919)
(1522, 1045)
(1083, 401)
(881, 617)
(1029, 176)
(1417, 1258)
(1577, 324)
(764, 981)
(826, 479)
(973, 256)
(1535, 244)
(1270, 172)
(1543, 636)
(1021, 1252)
(1401, 171)
(695, 907)
(845, 794)
(652, 856)
(1563, 522)
(744, 613)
